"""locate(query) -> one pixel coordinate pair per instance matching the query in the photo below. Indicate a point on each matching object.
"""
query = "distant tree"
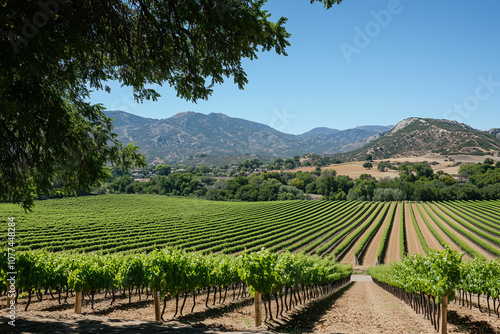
(163, 170)
(403, 170)
(366, 177)
(368, 165)
(463, 176)
(54, 53)
(448, 180)
(326, 183)
(202, 169)
(383, 165)
(489, 161)
(369, 157)
(422, 170)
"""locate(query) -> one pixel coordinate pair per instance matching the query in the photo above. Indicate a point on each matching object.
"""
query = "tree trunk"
(208, 295)
(176, 304)
(184, 301)
(194, 301)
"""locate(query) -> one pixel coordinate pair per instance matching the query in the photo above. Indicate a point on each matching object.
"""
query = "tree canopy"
(54, 52)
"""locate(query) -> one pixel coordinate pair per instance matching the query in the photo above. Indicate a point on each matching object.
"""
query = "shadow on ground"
(471, 326)
(56, 326)
(305, 319)
(213, 311)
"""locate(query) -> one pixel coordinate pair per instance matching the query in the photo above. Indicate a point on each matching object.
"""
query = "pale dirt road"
(370, 257)
(367, 308)
(461, 237)
(393, 252)
(414, 246)
(431, 240)
(359, 307)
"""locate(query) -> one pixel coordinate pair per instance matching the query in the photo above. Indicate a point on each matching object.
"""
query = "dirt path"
(359, 307)
(393, 252)
(468, 241)
(350, 257)
(443, 235)
(370, 257)
(414, 245)
(431, 240)
(366, 308)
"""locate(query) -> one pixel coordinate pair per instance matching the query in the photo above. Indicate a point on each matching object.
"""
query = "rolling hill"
(188, 134)
(420, 136)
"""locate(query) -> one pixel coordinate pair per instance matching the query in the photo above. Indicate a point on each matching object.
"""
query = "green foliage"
(384, 165)
(403, 243)
(384, 242)
(172, 271)
(436, 274)
(417, 229)
(489, 161)
(163, 170)
(372, 231)
(480, 277)
(49, 130)
(257, 270)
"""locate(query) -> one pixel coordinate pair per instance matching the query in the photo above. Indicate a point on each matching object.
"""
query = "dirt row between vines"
(359, 307)
(370, 257)
(413, 243)
(393, 252)
(439, 231)
(429, 238)
(460, 236)
(350, 257)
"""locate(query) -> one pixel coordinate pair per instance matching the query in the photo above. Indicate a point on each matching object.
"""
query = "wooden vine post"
(444, 316)
(157, 305)
(258, 314)
(78, 302)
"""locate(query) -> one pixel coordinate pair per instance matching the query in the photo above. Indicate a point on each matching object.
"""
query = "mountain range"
(188, 134)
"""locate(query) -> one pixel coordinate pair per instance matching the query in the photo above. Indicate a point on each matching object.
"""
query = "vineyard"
(362, 233)
(190, 254)
(427, 282)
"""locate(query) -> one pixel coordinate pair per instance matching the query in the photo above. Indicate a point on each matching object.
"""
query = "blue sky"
(363, 62)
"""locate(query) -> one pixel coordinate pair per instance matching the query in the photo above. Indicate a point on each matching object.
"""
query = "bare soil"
(468, 241)
(439, 231)
(393, 252)
(359, 307)
(350, 257)
(370, 257)
(366, 308)
(355, 169)
(431, 240)
(414, 245)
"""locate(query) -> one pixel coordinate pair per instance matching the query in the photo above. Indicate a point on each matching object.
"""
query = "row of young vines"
(174, 273)
(424, 281)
